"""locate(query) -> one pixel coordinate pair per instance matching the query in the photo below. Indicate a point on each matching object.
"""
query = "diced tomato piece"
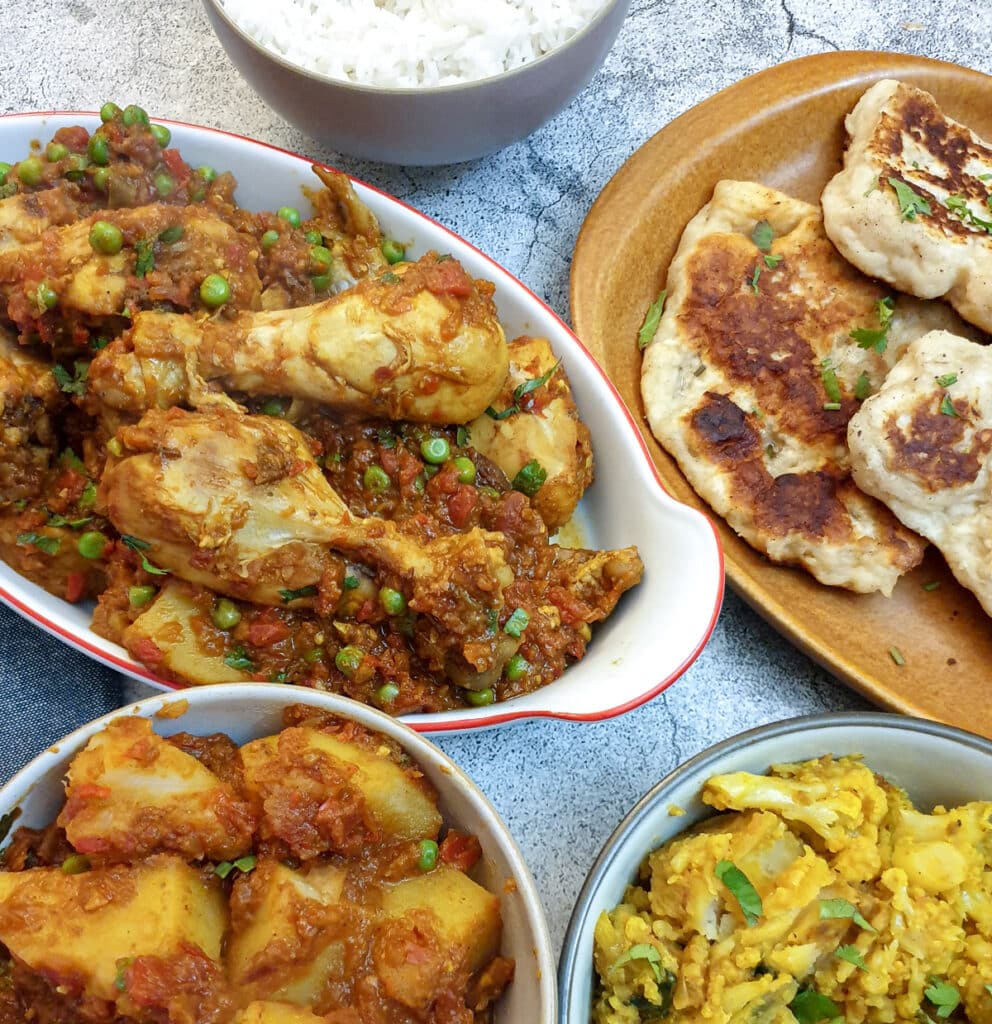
(75, 584)
(177, 166)
(461, 504)
(147, 652)
(448, 278)
(74, 138)
(460, 850)
(71, 483)
(267, 630)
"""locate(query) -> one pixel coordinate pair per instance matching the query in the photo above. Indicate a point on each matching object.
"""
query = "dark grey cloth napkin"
(47, 689)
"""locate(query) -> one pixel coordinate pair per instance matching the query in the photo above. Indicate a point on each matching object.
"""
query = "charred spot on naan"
(938, 449)
(816, 504)
(771, 336)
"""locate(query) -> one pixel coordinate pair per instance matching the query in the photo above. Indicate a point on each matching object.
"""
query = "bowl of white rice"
(417, 81)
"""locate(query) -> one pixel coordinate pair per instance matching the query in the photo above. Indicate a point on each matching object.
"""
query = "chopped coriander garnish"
(878, 339)
(830, 383)
(88, 498)
(238, 658)
(50, 545)
(810, 1007)
(295, 595)
(516, 623)
(947, 380)
(896, 655)
(988, 988)
(651, 320)
(530, 478)
(754, 278)
(910, 203)
(75, 384)
(243, 864)
(138, 545)
(943, 995)
(771, 262)
(145, 261)
(741, 889)
(462, 437)
(947, 407)
(852, 955)
(931, 586)
(862, 389)
(60, 520)
(873, 187)
(699, 370)
(350, 582)
(122, 965)
(833, 909)
(390, 278)
(532, 385)
(642, 951)
(958, 205)
(762, 235)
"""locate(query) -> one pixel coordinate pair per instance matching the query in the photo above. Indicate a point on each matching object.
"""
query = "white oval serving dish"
(658, 629)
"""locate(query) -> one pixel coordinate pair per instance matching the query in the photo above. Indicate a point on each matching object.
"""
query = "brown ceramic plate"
(784, 128)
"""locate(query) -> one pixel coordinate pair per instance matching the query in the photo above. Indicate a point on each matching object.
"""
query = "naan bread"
(935, 244)
(734, 385)
(922, 446)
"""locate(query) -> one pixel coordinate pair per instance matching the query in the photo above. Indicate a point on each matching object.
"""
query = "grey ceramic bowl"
(935, 764)
(440, 125)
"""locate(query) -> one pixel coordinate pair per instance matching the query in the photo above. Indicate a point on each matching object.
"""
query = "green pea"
(348, 660)
(164, 185)
(392, 601)
(427, 859)
(214, 290)
(171, 235)
(320, 259)
(274, 407)
(466, 469)
(161, 135)
(314, 654)
(207, 173)
(106, 238)
(387, 693)
(91, 544)
(46, 296)
(481, 698)
(225, 614)
(375, 479)
(420, 483)
(138, 597)
(269, 239)
(517, 667)
(99, 150)
(314, 237)
(109, 111)
(101, 178)
(393, 251)
(77, 166)
(289, 214)
(75, 864)
(29, 171)
(55, 151)
(321, 282)
(435, 450)
(5, 169)
(134, 114)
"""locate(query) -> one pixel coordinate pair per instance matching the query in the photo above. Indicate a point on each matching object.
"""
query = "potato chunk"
(441, 928)
(167, 626)
(319, 793)
(77, 929)
(288, 932)
(131, 793)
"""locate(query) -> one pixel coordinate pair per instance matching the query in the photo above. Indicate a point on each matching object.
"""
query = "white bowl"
(246, 711)
(935, 764)
(659, 627)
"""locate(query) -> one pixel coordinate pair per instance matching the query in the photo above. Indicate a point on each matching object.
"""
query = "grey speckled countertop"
(562, 787)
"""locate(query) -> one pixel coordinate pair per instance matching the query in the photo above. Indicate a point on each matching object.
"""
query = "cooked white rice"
(408, 43)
